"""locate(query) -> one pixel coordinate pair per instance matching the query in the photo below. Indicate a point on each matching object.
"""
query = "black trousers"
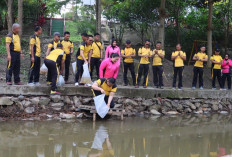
(67, 64)
(96, 93)
(52, 73)
(95, 62)
(226, 76)
(131, 67)
(158, 75)
(34, 72)
(143, 70)
(217, 74)
(178, 71)
(197, 71)
(79, 72)
(13, 67)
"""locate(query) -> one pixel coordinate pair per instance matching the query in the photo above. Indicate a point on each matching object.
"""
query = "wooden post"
(98, 16)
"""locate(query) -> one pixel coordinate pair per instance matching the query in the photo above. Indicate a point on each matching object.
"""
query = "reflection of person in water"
(101, 146)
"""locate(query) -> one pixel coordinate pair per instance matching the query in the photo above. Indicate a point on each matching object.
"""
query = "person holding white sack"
(107, 87)
(84, 57)
(55, 58)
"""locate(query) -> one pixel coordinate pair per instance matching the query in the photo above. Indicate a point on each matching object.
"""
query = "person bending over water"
(107, 87)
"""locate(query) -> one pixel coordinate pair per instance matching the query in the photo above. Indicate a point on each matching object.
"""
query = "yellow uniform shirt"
(156, 59)
(37, 47)
(67, 45)
(200, 55)
(56, 55)
(14, 41)
(53, 44)
(145, 51)
(128, 51)
(179, 61)
(86, 50)
(103, 84)
(96, 50)
(216, 58)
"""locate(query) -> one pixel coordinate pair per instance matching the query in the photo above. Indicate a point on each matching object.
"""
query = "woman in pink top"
(109, 67)
(226, 64)
(113, 48)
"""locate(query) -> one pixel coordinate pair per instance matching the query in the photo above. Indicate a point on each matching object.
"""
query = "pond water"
(181, 136)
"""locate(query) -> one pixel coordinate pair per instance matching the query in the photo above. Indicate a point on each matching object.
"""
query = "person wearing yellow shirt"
(158, 54)
(97, 55)
(200, 58)
(107, 87)
(145, 53)
(35, 53)
(128, 62)
(178, 57)
(14, 53)
(86, 50)
(53, 44)
(68, 49)
(55, 58)
(216, 60)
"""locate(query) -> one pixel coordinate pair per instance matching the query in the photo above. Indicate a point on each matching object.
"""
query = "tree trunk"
(20, 15)
(98, 16)
(9, 15)
(209, 32)
(178, 26)
(162, 18)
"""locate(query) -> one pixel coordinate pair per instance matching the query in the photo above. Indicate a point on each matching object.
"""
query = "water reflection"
(188, 136)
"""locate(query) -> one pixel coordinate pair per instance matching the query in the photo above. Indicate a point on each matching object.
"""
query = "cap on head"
(56, 34)
(128, 42)
(217, 50)
(59, 46)
(15, 25)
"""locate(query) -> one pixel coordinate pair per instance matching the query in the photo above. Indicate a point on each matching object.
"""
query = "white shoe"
(37, 84)
(30, 84)
(88, 84)
(76, 84)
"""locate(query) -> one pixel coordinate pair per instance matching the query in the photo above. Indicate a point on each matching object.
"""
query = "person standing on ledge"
(200, 58)
(113, 48)
(53, 44)
(128, 62)
(68, 49)
(145, 53)
(216, 59)
(226, 65)
(86, 50)
(158, 55)
(107, 87)
(97, 55)
(35, 53)
(56, 57)
(14, 53)
(178, 57)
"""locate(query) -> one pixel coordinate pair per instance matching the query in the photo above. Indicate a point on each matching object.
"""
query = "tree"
(20, 15)
(209, 31)
(98, 16)
(9, 15)
(162, 15)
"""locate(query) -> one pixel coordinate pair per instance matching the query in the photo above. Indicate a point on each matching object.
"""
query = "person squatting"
(59, 54)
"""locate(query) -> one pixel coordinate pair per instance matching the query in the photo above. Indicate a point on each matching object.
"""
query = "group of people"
(59, 54)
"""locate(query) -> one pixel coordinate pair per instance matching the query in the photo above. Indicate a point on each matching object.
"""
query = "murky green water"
(189, 136)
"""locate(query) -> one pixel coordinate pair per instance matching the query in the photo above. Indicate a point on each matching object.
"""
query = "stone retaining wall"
(65, 106)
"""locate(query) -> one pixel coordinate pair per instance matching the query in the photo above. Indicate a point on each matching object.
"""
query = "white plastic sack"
(74, 67)
(86, 79)
(60, 81)
(100, 104)
(43, 69)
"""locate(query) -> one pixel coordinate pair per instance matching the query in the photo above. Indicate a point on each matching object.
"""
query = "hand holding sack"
(86, 79)
(100, 104)
(43, 69)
